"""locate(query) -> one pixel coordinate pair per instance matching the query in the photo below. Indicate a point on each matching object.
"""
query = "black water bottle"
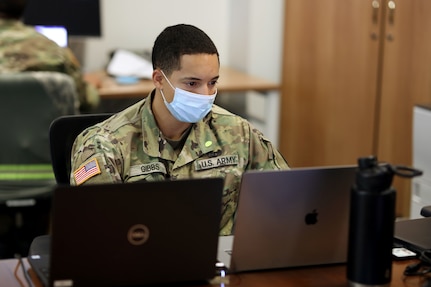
(371, 223)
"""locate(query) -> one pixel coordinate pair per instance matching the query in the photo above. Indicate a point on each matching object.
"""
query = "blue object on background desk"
(126, 80)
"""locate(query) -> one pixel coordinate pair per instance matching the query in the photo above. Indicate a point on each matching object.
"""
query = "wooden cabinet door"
(329, 82)
(352, 72)
(406, 81)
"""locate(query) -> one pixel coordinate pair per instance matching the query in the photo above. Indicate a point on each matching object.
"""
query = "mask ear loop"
(161, 90)
(167, 80)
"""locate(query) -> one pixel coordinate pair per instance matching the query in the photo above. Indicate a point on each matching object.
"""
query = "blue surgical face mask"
(188, 107)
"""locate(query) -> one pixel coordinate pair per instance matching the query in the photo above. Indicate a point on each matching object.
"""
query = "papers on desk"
(127, 64)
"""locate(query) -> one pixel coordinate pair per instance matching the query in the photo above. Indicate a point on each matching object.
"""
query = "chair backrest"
(62, 134)
(29, 102)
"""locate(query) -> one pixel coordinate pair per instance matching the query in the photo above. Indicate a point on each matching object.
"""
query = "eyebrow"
(198, 79)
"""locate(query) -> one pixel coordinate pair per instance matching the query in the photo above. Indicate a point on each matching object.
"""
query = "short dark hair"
(176, 41)
(13, 9)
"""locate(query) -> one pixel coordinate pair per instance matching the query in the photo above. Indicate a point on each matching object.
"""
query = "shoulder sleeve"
(263, 155)
(95, 159)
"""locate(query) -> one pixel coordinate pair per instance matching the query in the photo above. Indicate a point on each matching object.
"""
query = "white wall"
(256, 47)
(247, 33)
(135, 24)
(256, 37)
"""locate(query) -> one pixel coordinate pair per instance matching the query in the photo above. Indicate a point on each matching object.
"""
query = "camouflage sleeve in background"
(59, 87)
(22, 49)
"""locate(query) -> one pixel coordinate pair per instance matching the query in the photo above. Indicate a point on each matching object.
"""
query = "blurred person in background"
(23, 49)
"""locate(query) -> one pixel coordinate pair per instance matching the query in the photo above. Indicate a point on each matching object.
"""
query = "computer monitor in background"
(58, 34)
(79, 17)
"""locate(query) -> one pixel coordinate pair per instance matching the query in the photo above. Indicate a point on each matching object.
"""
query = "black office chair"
(62, 134)
(426, 211)
(29, 103)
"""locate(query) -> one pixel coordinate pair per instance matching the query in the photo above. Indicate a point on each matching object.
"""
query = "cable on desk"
(21, 263)
(16, 274)
(422, 267)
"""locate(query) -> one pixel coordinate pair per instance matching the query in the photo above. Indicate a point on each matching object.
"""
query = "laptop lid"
(414, 234)
(135, 233)
(291, 218)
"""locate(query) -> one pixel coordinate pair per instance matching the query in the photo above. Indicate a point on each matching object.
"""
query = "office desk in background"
(264, 114)
(231, 80)
(328, 276)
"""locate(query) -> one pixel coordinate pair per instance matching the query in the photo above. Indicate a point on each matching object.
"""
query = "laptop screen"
(58, 34)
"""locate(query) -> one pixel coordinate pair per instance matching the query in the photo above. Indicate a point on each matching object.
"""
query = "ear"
(157, 79)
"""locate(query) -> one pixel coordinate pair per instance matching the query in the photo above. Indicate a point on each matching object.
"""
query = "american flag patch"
(88, 170)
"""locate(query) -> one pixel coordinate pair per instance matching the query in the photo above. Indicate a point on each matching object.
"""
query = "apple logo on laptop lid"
(311, 217)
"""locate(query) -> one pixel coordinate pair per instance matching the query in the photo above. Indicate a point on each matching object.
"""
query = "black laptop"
(414, 234)
(132, 234)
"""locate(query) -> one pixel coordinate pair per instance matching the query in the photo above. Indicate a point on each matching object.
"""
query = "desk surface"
(330, 276)
(230, 80)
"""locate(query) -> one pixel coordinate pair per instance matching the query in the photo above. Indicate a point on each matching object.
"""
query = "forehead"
(199, 65)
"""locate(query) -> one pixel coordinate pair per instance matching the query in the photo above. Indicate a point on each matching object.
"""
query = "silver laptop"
(135, 234)
(290, 218)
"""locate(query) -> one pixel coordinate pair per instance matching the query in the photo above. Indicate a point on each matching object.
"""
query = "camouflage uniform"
(129, 147)
(22, 48)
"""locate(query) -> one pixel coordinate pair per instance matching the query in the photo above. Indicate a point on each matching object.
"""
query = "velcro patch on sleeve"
(86, 171)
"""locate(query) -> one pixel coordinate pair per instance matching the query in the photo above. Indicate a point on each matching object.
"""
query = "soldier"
(176, 132)
(22, 48)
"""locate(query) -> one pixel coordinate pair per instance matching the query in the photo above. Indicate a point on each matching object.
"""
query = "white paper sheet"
(126, 63)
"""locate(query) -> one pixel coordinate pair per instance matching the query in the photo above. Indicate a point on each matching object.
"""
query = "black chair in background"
(62, 134)
(426, 211)
(30, 101)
